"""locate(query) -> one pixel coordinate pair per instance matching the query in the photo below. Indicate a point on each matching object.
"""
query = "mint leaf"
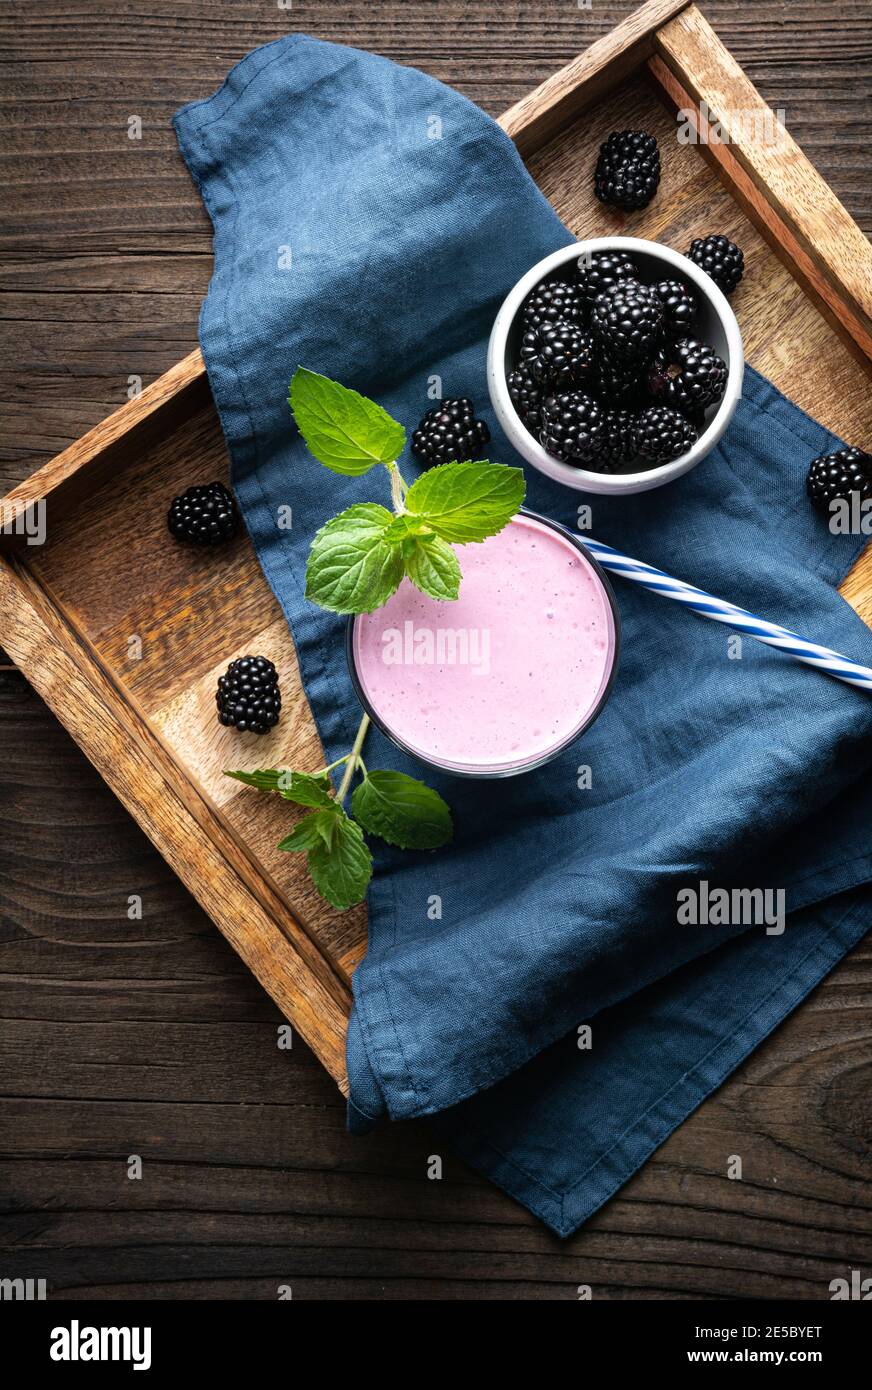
(266, 779)
(351, 567)
(432, 566)
(467, 501)
(402, 811)
(337, 858)
(305, 788)
(314, 830)
(345, 431)
(341, 872)
(405, 527)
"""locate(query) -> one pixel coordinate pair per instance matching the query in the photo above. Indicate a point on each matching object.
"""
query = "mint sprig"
(396, 808)
(356, 561)
(359, 558)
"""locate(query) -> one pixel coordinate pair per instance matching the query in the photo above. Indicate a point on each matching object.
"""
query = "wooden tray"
(71, 609)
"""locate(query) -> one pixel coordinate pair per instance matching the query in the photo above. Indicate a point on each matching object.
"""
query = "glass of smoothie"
(503, 678)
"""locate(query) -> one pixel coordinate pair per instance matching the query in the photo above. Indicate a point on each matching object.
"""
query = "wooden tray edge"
(781, 176)
(66, 672)
(59, 662)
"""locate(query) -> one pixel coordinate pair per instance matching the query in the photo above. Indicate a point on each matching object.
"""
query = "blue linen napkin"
(368, 223)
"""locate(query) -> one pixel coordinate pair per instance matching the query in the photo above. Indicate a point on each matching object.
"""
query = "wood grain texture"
(218, 868)
(152, 1037)
(105, 251)
(561, 98)
(804, 201)
(110, 564)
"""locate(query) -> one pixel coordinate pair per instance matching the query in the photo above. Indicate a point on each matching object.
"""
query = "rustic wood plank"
(561, 98)
(168, 598)
(80, 469)
(209, 861)
(83, 217)
(803, 200)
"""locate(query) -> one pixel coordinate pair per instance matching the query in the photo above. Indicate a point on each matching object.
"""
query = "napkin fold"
(554, 1015)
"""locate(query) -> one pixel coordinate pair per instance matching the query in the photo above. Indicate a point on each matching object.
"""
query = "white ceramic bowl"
(716, 325)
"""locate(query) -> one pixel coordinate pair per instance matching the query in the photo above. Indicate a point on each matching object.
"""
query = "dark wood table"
(124, 1037)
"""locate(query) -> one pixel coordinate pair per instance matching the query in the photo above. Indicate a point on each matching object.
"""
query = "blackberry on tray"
(449, 433)
(628, 169)
(248, 695)
(720, 258)
(203, 515)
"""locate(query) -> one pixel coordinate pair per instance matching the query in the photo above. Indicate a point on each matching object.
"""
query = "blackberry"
(555, 301)
(620, 445)
(449, 433)
(720, 259)
(837, 476)
(627, 321)
(248, 695)
(559, 354)
(690, 377)
(618, 383)
(526, 394)
(599, 271)
(628, 169)
(679, 305)
(204, 515)
(661, 434)
(573, 427)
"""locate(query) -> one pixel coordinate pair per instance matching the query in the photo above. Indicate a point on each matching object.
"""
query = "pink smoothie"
(506, 674)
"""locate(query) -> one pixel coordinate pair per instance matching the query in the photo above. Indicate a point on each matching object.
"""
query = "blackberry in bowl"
(661, 335)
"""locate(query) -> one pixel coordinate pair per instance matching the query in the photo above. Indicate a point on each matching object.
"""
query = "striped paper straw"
(737, 618)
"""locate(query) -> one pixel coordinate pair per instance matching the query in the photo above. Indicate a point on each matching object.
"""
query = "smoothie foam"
(505, 674)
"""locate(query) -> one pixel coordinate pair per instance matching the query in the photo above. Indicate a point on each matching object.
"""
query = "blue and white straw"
(737, 618)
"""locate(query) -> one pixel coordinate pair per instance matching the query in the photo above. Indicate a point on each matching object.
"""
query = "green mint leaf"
(266, 779)
(304, 788)
(345, 431)
(402, 811)
(405, 527)
(317, 829)
(467, 501)
(337, 858)
(342, 870)
(432, 566)
(351, 567)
